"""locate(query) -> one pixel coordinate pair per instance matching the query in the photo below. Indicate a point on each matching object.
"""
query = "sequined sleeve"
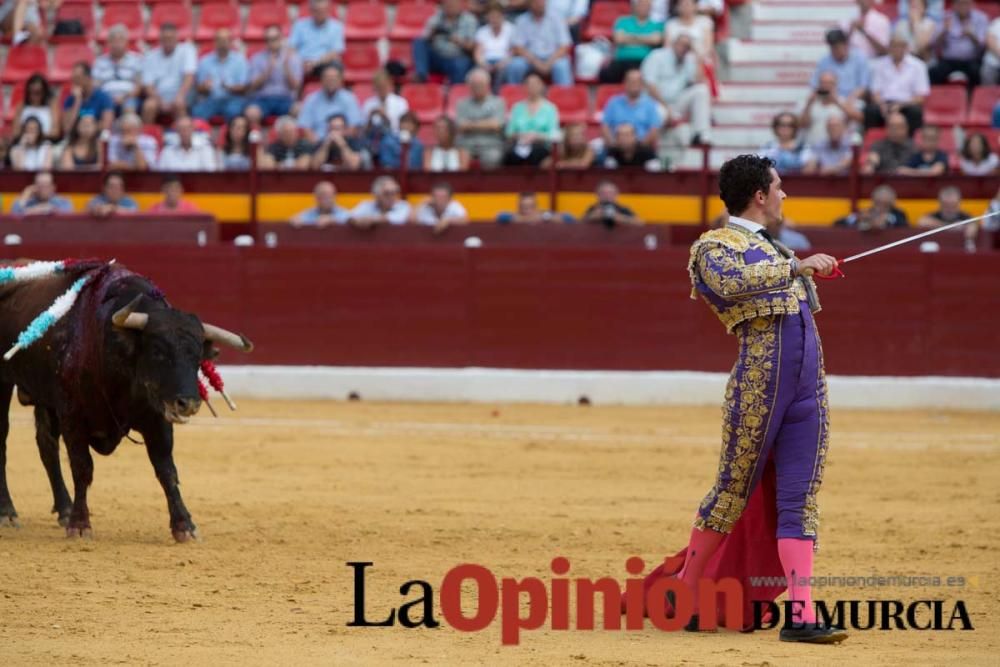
(727, 274)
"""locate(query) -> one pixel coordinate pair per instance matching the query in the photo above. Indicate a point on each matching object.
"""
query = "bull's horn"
(220, 335)
(126, 319)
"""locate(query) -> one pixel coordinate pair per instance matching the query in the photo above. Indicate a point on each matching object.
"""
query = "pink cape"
(750, 550)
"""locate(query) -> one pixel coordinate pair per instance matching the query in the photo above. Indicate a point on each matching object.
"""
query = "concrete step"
(797, 11)
(757, 93)
(781, 31)
(756, 114)
(778, 72)
(783, 52)
(751, 136)
(691, 158)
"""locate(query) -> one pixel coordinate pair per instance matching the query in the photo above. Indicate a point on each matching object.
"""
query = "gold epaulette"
(730, 238)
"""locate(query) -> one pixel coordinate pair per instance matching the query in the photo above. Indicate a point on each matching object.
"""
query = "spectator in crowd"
(794, 240)
(533, 125)
(440, 210)
(480, 120)
(996, 115)
(789, 152)
(529, 213)
(493, 43)
(541, 44)
(882, 214)
(445, 154)
(977, 158)
(575, 152)
(673, 79)
(385, 100)
(275, 76)
(628, 152)
(990, 224)
(325, 212)
(949, 209)
(824, 103)
(385, 207)
(331, 99)
(82, 151)
(221, 80)
(41, 102)
(899, 83)
(917, 29)
(833, 155)
(933, 8)
(698, 27)
(186, 151)
(869, 30)
(118, 71)
(447, 44)
(318, 39)
(572, 13)
(31, 150)
(959, 43)
(289, 150)
(635, 36)
(167, 76)
(21, 21)
(928, 159)
(129, 148)
(991, 59)
(390, 149)
(86, 99)
(607, 210)
(173, 198)
(112, 198)
(851, 68)
(4, 152)
(236, 147)
(889, 154)
(635, 107)
(40, 198)
(338, 150)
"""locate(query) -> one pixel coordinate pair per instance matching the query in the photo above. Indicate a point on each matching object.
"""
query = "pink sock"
(702, 545)
(797, 560)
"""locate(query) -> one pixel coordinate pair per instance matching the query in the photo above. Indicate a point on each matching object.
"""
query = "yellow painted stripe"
(225, 207)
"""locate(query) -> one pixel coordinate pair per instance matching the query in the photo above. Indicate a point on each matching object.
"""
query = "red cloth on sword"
(750, 550)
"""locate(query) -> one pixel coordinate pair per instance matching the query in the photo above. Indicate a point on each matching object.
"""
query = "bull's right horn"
(126, 319)
(222, 336)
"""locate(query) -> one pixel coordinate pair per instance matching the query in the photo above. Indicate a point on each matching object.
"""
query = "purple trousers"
(776, 405)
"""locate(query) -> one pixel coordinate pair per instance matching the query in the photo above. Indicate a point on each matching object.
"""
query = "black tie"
(767, 237)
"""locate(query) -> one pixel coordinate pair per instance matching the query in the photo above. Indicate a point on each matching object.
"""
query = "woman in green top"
(635, 36)
(533, 125)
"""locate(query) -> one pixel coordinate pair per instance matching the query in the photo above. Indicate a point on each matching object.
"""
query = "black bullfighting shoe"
(692, 625)
(813, 633)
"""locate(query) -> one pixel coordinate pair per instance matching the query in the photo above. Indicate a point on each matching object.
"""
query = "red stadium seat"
(456, 92)
(602, 19)
(16, 97)
(945, 106)
(82, 13)
(871, 136)
(262, 15)
(426, 100)
(23, 61)
(984, 98)
(604, 93)
(65, 56)
(154, 131)
(365, 21)
(573, 103)
(402, 52)
(174, 12)
(362, 91)
(427, 135)
(216, 15)
(360, 61)
(512, 93)
(410, 20)
(130, 15)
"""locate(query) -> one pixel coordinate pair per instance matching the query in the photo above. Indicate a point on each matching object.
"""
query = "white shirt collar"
(748, 225)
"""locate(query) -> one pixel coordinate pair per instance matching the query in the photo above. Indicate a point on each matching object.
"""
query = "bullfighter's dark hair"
(743, 177)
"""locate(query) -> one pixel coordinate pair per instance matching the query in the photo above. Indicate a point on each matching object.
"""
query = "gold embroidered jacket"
(741, 276)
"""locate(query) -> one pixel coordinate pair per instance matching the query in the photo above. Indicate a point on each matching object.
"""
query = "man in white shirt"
(167, 76)
(900, 82)
(441, 210)
(189, 153)
(572, 12)
(869, 30)
(385, 209)
(673, 78)
(388, 103)
(129, 148)
(117, 71)
(990, 75)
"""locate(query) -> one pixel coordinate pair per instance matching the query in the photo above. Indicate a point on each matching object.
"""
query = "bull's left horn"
(126, 319)
(222, 336)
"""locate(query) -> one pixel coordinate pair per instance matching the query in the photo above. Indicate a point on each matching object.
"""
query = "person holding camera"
(338, 150)
(607, 211)
(824, 103)
(40, 198)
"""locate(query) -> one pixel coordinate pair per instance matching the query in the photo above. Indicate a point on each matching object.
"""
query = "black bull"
(122, 359)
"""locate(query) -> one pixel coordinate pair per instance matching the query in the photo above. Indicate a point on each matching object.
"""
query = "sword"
(909, 239)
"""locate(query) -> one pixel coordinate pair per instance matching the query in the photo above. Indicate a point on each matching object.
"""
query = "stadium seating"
(365, 21)
(23, 61)
(65, 56)
(84, 13)
(602, 18)
(456, 92)
(402, 52)
(512, 93)
(604, 93)
(174, 12)
(945, 106)
(362, 91)
(984, 98)
(410, 20)
(215, 15)
(129, 15)
(426, 100)
(573, 103)
(360, 61)
(262, 15)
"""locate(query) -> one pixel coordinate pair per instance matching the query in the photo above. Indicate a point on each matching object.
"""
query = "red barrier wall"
(555, 307)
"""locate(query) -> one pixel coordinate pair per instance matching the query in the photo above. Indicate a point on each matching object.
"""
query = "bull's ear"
(209, 352)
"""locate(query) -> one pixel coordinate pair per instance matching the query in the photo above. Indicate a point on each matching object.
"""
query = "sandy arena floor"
(285, 493)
